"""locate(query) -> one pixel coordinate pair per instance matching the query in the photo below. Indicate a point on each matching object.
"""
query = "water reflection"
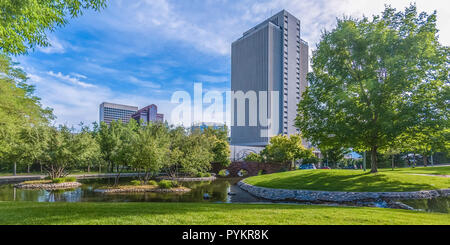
(217, 190)
(440, 204)
(220, 190)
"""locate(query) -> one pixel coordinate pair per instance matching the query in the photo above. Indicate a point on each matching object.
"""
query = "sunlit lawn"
(33, 213)
(352, 180)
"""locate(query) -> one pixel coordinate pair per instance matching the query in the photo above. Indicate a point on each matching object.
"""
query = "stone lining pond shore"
(48, 186)
(187, 179)
(140, 189)
(336, 196)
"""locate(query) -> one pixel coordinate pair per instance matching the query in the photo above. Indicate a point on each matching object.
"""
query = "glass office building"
(110, 112)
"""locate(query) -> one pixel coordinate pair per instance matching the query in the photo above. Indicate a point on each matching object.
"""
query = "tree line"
(117, 147)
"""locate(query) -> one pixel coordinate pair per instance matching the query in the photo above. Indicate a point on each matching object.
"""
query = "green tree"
(285, 149)
(197, 154)
(190, 153)
(373, 80)
(253, 157)
(425, 141)
(24, 24)
(123, 154)
(220, 145)
(91, 153)
(19, 109)
(108, 138)
(150, 148)
(31, 144)
(64, 149)
(333, 154)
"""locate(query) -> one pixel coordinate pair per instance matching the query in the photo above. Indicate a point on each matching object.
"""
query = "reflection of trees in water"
(217, 189)
(440, 204)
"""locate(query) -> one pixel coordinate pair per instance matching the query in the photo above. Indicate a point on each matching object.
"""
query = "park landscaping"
(353, 180)
(50, 184)
(33, 213)
(137, 186)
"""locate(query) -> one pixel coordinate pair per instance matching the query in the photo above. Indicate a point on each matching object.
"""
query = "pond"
(218, 191)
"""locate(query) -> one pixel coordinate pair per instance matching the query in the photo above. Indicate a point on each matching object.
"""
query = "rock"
(336, 196)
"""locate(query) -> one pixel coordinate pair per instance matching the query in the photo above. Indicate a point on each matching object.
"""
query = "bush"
(152, 182)
(135, 182)
(64, 180)
(242, 173)
(201, 175)
(223, 173)
(167, 184)
(253, 157)
(58, 180)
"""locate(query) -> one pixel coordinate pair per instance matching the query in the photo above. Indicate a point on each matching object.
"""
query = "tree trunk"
(393, 162)
(425, 161)
(89, 167)
(374, 160)
(15, 169)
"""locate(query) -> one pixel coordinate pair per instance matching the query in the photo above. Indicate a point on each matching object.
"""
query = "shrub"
(201, 175)
(58, 180)
(242, 173)
(64, 180)
(135, 182)
(253, 157)
(152, 182)
(165, 184)
(223, 173)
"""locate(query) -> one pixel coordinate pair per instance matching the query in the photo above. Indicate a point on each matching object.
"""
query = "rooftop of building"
(119, 106)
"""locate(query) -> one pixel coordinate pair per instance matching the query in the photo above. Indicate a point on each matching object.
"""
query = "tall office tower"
(270, 57)
(148, 114)
(110, 112)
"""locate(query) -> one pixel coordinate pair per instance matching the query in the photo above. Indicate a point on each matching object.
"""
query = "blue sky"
(138, 52)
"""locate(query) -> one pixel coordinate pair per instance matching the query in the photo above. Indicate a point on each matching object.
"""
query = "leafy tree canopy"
(24, 23)
(375, 79)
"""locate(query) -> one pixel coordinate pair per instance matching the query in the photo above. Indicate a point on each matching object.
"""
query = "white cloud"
(56, 46)
(73, 104)
(143, 83)
(70, 79)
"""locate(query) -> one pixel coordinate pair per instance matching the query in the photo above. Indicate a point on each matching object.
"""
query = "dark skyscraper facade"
(271, 57)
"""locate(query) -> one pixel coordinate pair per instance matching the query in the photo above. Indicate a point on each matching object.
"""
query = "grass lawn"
(350, 180)
(422, 170)
(34, 213)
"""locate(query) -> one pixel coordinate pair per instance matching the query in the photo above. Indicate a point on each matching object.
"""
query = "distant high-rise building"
(270, 57)
(110, 112)
(148, 114)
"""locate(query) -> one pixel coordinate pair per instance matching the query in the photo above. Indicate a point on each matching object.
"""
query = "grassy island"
(356, 180)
